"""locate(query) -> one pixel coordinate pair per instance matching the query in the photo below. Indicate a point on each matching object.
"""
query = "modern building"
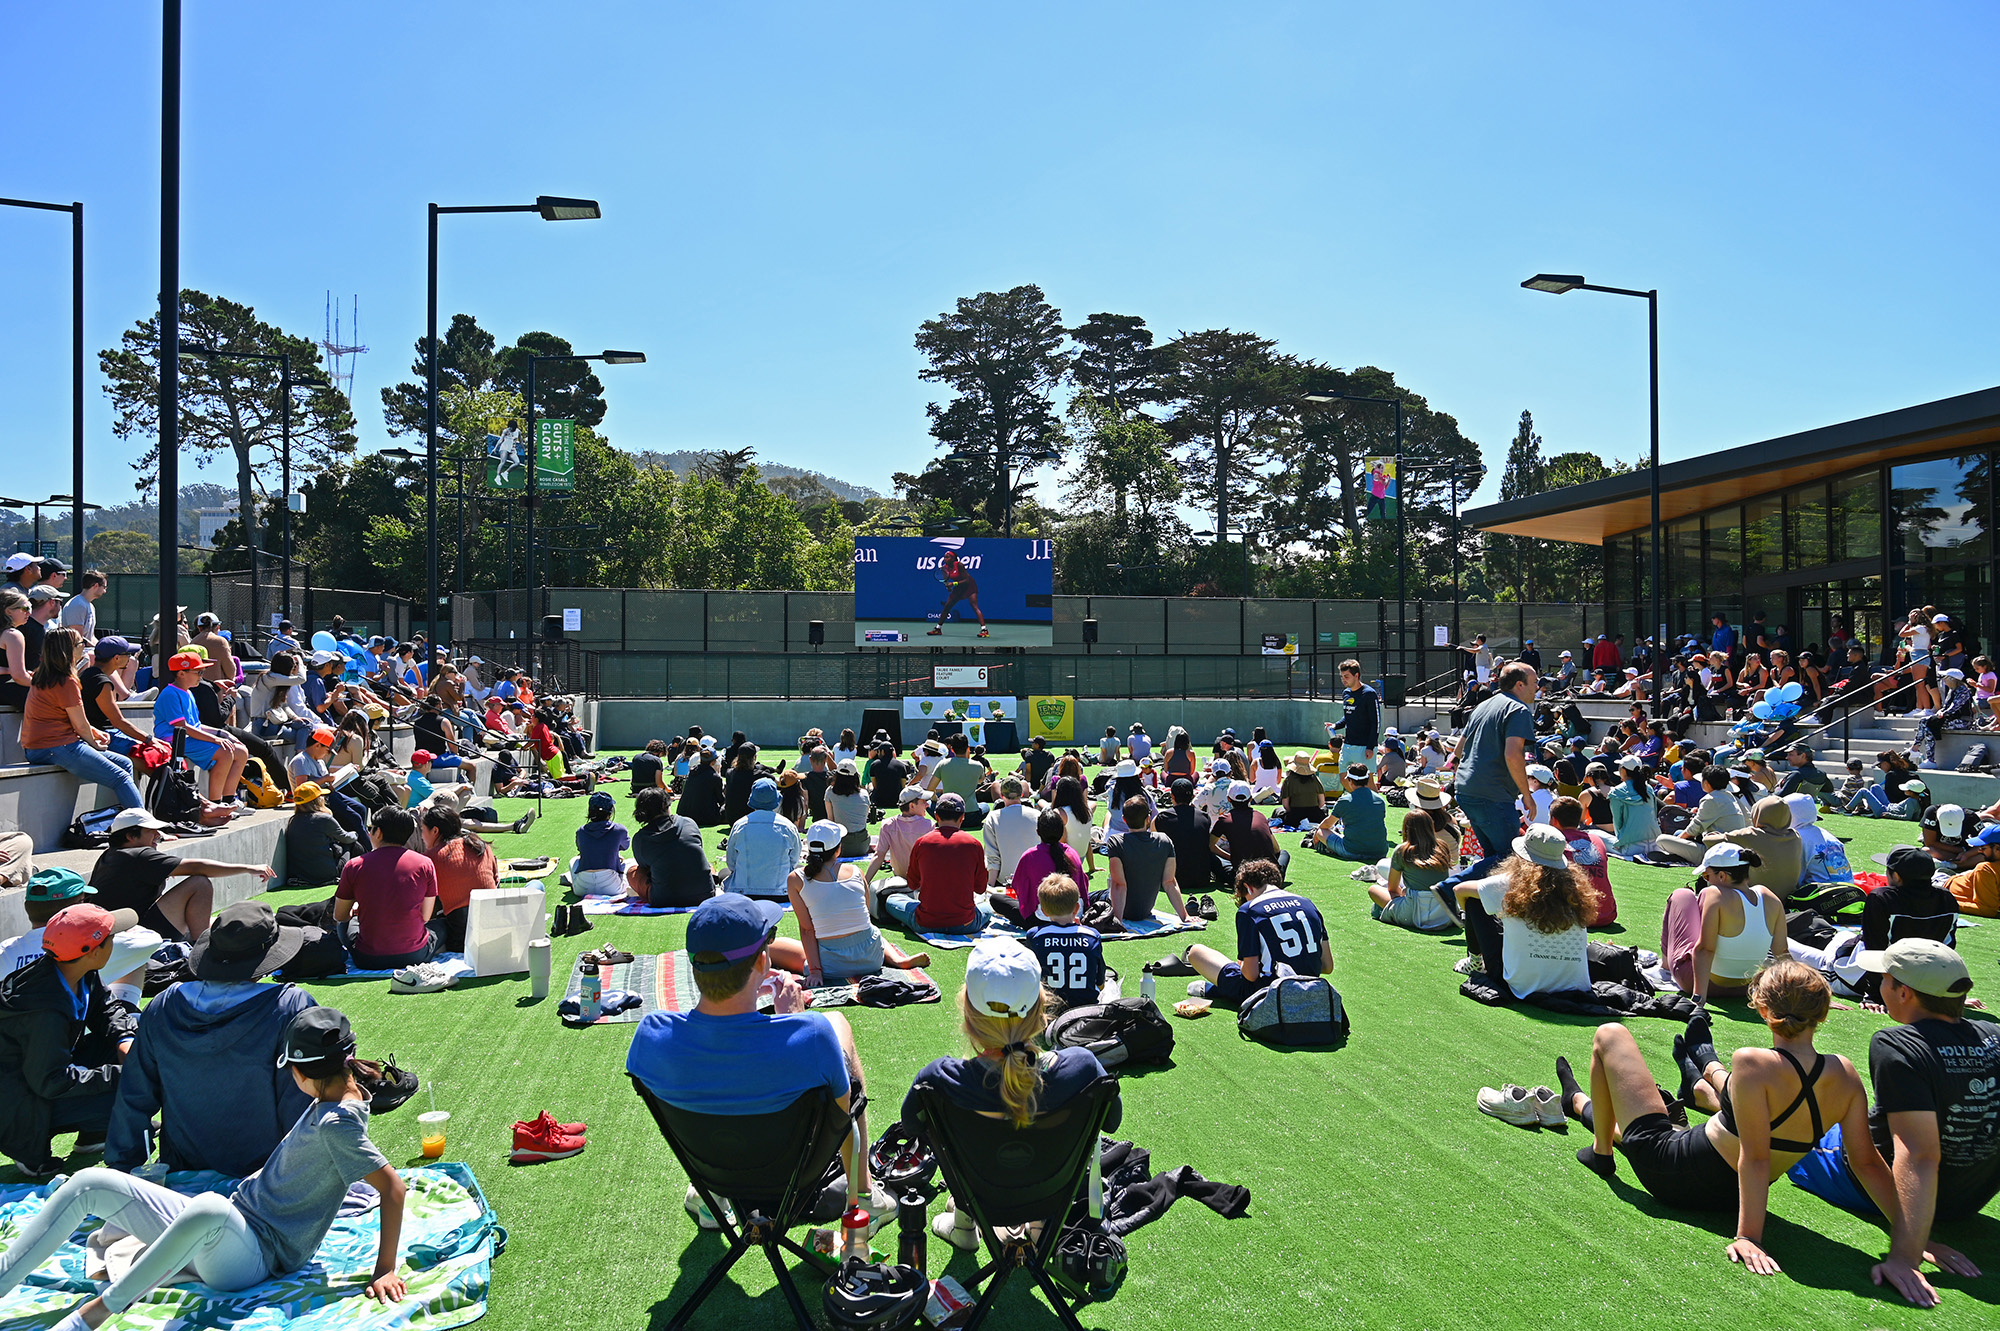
(1858, 522)
(213, 520)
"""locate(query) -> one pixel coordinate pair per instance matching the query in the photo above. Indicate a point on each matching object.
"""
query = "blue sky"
(789, 189)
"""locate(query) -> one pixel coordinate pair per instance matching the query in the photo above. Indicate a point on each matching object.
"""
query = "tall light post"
(1556, 284)
(552, 209)
(170, 327)
(75, 211)
(1319, 397)
(534, 466)
(1009, 478)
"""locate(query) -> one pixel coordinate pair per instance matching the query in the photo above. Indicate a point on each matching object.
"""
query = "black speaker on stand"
(816, 633)
(552, 629)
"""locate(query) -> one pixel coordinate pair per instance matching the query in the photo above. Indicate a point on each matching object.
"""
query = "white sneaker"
(1549, 1106)
(427, 978)
(698, 1211)
(945, 1226)
(1510, 1104)
(1469, 965)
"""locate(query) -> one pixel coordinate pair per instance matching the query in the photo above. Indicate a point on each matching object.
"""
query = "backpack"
(174, 797)
(90, 832)
(1294, 1010)
(1125, 1030)
(263, 793)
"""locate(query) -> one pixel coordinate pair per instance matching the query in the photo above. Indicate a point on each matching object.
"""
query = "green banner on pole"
(555, 455)
(506, 455)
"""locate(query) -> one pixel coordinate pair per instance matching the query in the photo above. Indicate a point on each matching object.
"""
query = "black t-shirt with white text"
(132, 878)
(1951, 1069)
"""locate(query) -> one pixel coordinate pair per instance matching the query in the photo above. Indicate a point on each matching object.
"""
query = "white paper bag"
(499, 925)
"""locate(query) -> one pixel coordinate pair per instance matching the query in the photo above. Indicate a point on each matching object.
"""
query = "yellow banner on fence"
(1052, 718)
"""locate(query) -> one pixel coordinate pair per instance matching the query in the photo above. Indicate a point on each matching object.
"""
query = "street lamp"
(1322, 397)
(551, 208)
(1557, 284)
(1029, 461)
(75, 211)
(534, 466)
(38, 505)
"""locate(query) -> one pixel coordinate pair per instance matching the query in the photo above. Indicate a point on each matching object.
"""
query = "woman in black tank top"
(1769, 1111)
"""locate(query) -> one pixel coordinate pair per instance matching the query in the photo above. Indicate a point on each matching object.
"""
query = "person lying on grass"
(1728, 1163)
(1273, 927)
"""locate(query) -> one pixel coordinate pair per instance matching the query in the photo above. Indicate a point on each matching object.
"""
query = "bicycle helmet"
(901, 1161)
(1090, 1264)
(873, 1296)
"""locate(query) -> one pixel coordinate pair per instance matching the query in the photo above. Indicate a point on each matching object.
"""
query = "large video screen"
(945, 591)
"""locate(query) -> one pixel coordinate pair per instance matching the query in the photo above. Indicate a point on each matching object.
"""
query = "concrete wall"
(627, 723)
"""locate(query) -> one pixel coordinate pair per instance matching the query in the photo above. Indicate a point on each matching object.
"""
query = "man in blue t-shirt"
(1360, 727)
(1274, 927)
(1361, 818)
(726, 1057)
(1493, 772)
(1071, 955)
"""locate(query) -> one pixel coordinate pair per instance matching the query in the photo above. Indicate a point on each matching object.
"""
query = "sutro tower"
(340, 353)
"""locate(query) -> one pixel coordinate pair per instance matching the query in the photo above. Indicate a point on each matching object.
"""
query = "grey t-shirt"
(293, 1200)
(1482, 750)
(1144, 856)
(961, 777)
(304, 767)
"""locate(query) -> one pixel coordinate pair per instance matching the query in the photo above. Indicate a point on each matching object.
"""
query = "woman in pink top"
(1053, 856)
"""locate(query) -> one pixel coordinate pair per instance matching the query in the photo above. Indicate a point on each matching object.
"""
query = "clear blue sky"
(789, 189)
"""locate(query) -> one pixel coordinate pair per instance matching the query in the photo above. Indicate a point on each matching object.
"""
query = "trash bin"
(1392, 688)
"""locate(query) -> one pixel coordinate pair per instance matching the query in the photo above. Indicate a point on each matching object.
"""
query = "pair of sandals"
(607, 955)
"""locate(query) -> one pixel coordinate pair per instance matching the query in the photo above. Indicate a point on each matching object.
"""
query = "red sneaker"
(545, 1122)
(539, 1141)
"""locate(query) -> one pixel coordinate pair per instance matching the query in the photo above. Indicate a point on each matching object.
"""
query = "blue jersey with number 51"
(1281, 926)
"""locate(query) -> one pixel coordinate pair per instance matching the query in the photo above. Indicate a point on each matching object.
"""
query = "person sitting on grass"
(1242, 836)
(62, 1039)
(205, 1058)
(394, 889)
(1713, 941)
(599, 869)
(1071, 954)
(317, 847)
(1936, 1117)
(837, 941)
(726, 1057)
(1009, 830)
(1823, 855)
(1590, 850)
(1143, 865)
(131, 873)
(1053, 855)
(847, 803)
(1302, 796)
(464, 864)
(1531, 917)
(1003, 1013)
(763, 848)
(1274, 927)
(1418, 864)
(701, 793)
(1635, 811)
(271, 1225)
(457, 796)
(669, 862)
(1766, 1111)
(946, 890)
(1357, 828)
(174, 712)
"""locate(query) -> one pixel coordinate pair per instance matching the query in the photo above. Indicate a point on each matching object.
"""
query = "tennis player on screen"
(959, 586)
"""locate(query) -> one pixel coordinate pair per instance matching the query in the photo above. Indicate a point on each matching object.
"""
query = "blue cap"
(730, 927)
(1988, 836)
(111, 646)
(764, 793)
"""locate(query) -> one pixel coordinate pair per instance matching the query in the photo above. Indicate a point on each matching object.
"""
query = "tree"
(1232, 396)
(123, 552)
(1002, 351)
(467, 362)
(1116, 361)
(227, 403)
(565, 390)
(1128, 458)
(1524, 568)
(725, 466)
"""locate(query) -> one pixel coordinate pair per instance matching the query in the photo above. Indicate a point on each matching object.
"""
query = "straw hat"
(1302, 763)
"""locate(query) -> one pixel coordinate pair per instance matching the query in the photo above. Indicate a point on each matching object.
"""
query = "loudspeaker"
(1090, 630)
(552, 630)
(816, 633)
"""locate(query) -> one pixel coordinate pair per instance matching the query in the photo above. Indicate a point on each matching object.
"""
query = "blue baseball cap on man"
(1988, 836)
(110, 648)
(730, 928)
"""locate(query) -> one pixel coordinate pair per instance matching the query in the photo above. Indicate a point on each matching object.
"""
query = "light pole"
(1556, 284)
(38, 505)
(1029, 461)
(534, 466)
(552, 209)
(75, 211)
(170, 327)
(1319, 397)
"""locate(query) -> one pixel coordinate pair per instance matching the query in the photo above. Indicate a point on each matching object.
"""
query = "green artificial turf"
(1380, 1197)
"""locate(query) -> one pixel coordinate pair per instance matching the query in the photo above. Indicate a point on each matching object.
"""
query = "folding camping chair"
(1004, 1176)
(770, 1167)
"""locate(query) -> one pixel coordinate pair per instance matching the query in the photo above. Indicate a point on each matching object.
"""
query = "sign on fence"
(1052, 717)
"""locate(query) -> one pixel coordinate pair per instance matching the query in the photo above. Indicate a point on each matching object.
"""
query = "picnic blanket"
(450, 1238)
(665, 983)
(622, 906)
(1162, 924)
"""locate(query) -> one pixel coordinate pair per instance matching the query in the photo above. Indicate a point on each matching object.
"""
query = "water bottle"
(590, 997)
(1146, 985)
(912, 1231)
(854, 1232)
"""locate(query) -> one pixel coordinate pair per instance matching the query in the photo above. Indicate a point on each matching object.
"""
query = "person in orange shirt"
(465, 864)
(1978, 888)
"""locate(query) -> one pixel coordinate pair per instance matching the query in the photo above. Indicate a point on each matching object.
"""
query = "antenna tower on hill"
(341, 349)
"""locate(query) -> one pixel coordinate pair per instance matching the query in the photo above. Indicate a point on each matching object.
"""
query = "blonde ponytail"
(1020, 1058)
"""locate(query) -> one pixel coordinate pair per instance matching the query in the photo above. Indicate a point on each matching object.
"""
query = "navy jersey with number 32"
(1072, 957)
(1281, 927)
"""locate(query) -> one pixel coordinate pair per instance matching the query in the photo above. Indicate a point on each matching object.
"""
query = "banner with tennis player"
(967, 590)
(1379, 481)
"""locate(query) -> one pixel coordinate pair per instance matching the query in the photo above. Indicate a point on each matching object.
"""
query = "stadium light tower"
(1557, 284)
(1323, 396)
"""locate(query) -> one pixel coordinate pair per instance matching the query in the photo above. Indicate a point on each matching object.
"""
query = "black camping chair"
(771, 1167)
(1004, 1176)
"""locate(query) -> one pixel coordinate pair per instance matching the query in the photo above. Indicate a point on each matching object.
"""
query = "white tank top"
(838, 908)
(1736, 957)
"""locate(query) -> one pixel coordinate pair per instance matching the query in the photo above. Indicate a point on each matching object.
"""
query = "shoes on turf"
(698, 1211)
(1171, 965)
(1470, 965)
(545, 1121)
(426, 978)
(579, 923)
(1201, 989)
(1549, 1107)
(1204, 906)
(544, 1139)
(526, 821)
(1510, 1104)
(607, 956)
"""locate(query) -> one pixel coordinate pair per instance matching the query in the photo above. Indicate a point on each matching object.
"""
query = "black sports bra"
(1805, 1097)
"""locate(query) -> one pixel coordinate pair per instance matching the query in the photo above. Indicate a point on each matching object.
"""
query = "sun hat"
(1126, 768)
(1544, 845)
(306, 792)
(78, 929)
(245, 942)
(1002, 978)
(1240, 792)
(1302, 762)
(764, 793)
(1924, 964)
(825, 835)
(729, 928)
(316, 1034)
(1431, 795)
(110, 648)
(58, 885)
(130, 818)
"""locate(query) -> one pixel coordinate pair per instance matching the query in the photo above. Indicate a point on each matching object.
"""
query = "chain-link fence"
(131, 600)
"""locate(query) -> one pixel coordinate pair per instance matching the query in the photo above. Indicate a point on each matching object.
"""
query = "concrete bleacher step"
(258, 838)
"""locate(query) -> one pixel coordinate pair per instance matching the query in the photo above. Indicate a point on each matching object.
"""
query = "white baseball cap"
(1727, 855)
(1940, 619)
(1219, 766)
(1002, 978)
(1950, 822)
(128, 818)
(17, 562)
(825, 835)
(1240, 792)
